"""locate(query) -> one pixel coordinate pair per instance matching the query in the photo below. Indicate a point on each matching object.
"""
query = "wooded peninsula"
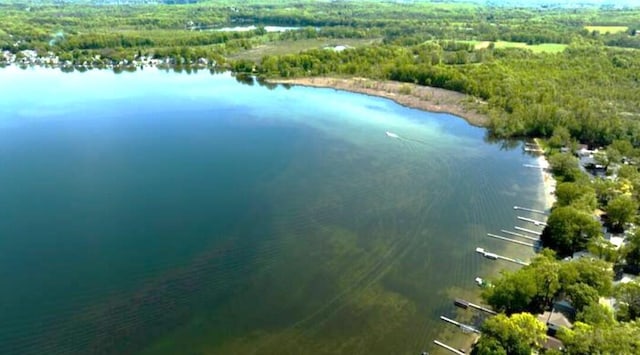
(568, 76)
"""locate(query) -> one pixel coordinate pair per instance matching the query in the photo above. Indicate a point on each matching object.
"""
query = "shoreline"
(410, 95)
(548, 181)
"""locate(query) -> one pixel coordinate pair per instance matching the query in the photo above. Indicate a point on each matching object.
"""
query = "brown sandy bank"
(410, 95)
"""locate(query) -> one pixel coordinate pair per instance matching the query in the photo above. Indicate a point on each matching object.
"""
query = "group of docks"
(466, 328)
(522, 236)
(526, 237)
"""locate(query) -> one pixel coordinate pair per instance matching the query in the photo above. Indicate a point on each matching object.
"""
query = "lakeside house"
(30, 57)
(559, 317)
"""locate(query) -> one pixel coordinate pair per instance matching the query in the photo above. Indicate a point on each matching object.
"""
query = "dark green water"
(157, 213)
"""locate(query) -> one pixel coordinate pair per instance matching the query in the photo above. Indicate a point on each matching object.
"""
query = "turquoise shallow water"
(157, 212)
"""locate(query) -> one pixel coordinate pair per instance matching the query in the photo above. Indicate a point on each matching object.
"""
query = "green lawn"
(536, 48)
(607, 29)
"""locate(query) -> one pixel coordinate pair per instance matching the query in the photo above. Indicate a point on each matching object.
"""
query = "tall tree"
(628, 297)
(569, 230)
(518, 334)
(565, 166)
(580, 196)
(621, 210)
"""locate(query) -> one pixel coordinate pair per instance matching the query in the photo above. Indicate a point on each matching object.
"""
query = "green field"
(607, 29)
(536, 48)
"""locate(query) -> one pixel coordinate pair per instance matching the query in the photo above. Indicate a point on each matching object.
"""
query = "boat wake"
(391, 135)
(395, 136)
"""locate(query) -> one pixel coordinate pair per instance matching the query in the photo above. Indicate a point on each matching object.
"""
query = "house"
(554, 320)
(338, 48)
(583, 150)
(589, 162)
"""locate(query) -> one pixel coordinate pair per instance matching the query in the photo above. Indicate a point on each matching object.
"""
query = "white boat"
(479, 281)
(391, 134)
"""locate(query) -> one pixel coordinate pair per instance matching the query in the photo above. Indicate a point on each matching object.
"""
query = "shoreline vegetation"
(411, 95)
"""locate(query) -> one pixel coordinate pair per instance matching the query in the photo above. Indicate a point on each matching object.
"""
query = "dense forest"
(566, 75)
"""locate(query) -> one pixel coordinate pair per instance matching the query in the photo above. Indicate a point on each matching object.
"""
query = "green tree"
(619, 338)
(621, 210)
(561, 137)
(623, 147)
(565, 166)
(518, 334)
(595, 273)
(529, 289)
(512, 292)
(569, 230)
(628, 297)
(580, 196)
(604, 250)
(597, 314)
(581, 295)
(631, 252)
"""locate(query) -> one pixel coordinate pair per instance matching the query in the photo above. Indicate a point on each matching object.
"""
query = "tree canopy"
(515, 334)
(569, 230)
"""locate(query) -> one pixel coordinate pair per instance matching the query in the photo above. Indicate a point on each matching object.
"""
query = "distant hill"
(501, 3)
(551, 3)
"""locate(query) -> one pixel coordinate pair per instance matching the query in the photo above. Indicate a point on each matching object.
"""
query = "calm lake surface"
(160, 213)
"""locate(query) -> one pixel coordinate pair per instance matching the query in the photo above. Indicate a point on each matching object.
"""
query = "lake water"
(159, 213)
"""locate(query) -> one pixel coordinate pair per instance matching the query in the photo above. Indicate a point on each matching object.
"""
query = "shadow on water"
(244, 78)
(262, 81)
(505, 144)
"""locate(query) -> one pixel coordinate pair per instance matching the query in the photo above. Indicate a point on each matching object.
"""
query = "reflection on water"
(153, 212)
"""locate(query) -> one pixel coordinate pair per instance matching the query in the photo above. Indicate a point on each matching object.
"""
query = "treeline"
(89, 27)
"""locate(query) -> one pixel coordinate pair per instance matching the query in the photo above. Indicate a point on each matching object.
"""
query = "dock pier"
(529, 210)
(510, 240)
(494, 256)
(533, 166)
(519, 235)
(465, 305)
(531, 220)
(450, 348)
(528, 231)
(464, 327)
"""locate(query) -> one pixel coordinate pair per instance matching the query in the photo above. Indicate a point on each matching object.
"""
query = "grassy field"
(536, 48)
(606, 29)
(292, 47)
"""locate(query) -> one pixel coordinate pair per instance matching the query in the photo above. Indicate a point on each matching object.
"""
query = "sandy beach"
(549, 183)
(410, 95)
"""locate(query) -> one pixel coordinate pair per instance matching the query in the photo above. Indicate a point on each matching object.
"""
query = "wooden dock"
(528, 231)
(531, 220)
(529, 210)
(533, 166)
(465, 305)
(533, 150)
(510, 240)
(519, 235)
(494, 256)
(450, 348)
(465, 327)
